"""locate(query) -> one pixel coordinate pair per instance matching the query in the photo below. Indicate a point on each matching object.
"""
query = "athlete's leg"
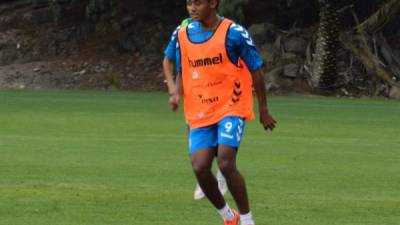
(230, 132)
(223, 188)
(198, 193)
(201, 164)
(202, 146)
(234, 180)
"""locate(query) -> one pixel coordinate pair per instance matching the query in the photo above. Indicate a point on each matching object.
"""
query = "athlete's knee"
(227, 160)
(227, 166)
(200, 168)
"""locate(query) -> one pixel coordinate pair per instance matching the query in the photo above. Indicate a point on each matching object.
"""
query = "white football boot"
(198, 193)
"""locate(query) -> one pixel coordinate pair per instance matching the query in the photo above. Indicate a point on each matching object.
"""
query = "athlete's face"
(201, 9)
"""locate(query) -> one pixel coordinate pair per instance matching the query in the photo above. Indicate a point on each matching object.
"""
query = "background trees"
(313, 45)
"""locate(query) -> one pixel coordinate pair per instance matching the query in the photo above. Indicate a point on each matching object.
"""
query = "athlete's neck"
(211, 22)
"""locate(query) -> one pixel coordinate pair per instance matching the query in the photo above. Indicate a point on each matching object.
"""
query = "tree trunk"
(324, 74)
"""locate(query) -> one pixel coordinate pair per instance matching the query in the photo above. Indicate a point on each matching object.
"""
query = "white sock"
(247, 219)
(226, 213)
(220, 177)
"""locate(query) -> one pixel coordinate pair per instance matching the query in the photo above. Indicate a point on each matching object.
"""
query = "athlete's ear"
(213, 3)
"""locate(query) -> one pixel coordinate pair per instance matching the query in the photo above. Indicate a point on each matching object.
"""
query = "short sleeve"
(241, 45)
(170, 51)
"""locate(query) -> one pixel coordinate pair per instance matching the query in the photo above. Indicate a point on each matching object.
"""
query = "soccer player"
(168, 68)
(214, 60)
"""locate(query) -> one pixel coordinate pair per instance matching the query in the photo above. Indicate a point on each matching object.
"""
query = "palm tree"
(323, 74)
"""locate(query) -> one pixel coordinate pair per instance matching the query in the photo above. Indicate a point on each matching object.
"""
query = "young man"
(168, 68)
(214, 59)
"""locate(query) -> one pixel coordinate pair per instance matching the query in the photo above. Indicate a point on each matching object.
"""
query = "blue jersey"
(170, 51)
(238, 44)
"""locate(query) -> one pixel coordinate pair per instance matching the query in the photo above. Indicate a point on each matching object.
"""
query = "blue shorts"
(228, 131)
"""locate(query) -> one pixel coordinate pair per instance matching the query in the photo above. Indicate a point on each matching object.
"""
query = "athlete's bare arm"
(266, 119)
(175, 98)
(168, 68)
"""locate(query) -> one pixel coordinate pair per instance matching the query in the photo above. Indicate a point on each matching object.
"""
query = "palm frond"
(379, 19)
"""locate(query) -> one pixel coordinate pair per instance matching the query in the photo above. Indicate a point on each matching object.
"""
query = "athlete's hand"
(267, 120)
(174, 101)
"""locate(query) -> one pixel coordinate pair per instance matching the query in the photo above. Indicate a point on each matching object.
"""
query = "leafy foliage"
(232, 9)
(102, 11)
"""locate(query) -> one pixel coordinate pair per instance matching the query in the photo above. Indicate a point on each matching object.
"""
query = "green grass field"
(97, 158)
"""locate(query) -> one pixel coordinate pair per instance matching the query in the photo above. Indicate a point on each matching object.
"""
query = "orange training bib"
(213, 86)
